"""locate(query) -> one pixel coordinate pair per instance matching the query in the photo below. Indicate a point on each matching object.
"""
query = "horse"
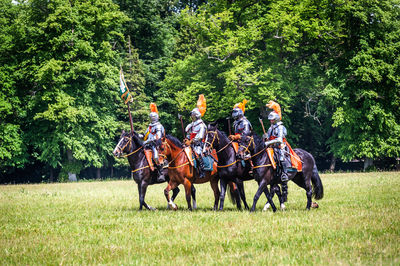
(181, 171)
(308, 178)
(230, 169)
(130, 144)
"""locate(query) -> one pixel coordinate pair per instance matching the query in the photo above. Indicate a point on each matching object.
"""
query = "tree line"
(333, 65)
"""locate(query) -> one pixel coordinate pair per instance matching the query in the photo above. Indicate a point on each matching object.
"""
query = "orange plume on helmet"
(202, 104)
(276, 107)
(241, 105)
(153, 108)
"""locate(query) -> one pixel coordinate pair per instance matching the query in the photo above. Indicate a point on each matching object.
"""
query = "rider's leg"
(284, 175)
(199, 159)
(160, 167)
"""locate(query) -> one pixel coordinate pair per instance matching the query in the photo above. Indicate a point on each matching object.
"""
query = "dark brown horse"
(230, 169)
(180, 171)
(132, 146)
(265, 174)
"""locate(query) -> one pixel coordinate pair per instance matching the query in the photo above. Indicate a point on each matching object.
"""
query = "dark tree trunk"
(333, 164)
(98, 173)
(71, 176)
(368, 162)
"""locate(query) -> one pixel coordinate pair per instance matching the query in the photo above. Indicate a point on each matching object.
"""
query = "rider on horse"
(276, 137)
(152, 137)
(241, 126)
(196, 132)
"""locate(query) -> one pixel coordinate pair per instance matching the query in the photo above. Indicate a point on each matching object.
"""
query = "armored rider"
(276, 137)
(152, 137)
(241, 126)
(196, 132)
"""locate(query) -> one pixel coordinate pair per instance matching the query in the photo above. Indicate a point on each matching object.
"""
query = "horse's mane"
(136, 138)
(175, 141)
(223, 133)
(259, 142)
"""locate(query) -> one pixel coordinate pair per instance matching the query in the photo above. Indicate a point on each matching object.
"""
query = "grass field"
(358, 222)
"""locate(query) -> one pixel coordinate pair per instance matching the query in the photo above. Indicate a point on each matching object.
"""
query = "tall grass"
(358, 222)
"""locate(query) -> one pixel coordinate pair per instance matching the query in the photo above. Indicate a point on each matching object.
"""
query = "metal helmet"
(195, 114)
(237, 113)
(274, 117)
(153, 117)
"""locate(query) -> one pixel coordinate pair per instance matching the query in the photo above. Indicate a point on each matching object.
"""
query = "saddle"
(207, 160)
(294, 159)
(149, 157)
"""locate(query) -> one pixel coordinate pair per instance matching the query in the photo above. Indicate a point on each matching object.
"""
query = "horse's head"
(246, 145)
(169, 146)
(211, 140)
(124, 144)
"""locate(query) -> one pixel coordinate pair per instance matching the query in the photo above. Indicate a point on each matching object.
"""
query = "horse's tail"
(318, 189)
(231, 193)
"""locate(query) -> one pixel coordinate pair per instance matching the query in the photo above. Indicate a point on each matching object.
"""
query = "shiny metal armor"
(196, 131)
(278, 131)
(242, 126)
(156, 131)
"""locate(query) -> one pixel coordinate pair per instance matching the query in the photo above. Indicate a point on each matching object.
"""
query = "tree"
(367, 117)
(70, 72)
(13, 150)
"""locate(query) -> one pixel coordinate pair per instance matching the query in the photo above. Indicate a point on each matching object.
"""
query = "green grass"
(358, 222)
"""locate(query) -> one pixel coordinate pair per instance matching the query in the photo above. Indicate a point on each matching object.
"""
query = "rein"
(223, 148)
(135, 151)
(212, 142)
(173, 167)
(256, 154)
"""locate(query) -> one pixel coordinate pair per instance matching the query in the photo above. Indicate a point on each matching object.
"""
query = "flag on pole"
(123, 88)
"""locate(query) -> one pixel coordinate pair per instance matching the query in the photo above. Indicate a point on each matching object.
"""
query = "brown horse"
(181, 171)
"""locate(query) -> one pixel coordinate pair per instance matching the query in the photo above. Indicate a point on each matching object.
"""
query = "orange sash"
(149, 158)
(188, 152)
(235, 146)
(294, 158)
(270, 152)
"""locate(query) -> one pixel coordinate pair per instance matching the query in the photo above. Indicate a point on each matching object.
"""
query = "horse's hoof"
(314, 205)
(283, 207)
(172, 206)
(266, 207)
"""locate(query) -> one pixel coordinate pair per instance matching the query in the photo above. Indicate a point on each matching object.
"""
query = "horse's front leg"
(175, 193)
(308, 189)
(242, 194)
(188, 192)
(193, 191)
(275, 189)
(262, 187)
(217, 193)
(142, 188)
(170, 186)
(222, 194)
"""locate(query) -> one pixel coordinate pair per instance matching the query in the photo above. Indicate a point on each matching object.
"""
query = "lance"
(262, 124)
(183, 130)
(229, 124)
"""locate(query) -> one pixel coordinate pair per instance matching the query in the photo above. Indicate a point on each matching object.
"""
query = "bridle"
(129, 142)
(170, 149)
(246, 148)
(212, 142)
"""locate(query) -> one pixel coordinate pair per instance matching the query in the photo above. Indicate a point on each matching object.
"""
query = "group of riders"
(196, 131)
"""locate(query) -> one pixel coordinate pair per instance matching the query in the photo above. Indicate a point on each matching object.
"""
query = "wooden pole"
(130, 117)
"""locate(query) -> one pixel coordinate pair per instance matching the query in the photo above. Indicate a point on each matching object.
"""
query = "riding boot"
(284, 179)
(160, 174)
(201, 167)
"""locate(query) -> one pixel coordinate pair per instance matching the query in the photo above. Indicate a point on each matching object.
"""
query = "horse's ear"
(213, 124)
